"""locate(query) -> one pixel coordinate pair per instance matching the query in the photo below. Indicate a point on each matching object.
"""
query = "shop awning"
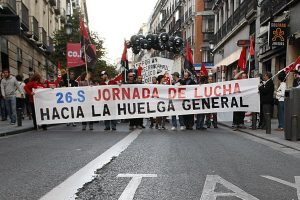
(228, 60)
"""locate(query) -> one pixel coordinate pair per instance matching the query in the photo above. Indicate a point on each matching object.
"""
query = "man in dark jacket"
(266, 91)
(188, 119)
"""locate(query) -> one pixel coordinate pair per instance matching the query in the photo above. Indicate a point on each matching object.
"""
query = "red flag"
(118, 78)
(203, 71)
(293, 66)
(83, 31)
(242, 60)
(251, 49)
(124, 54)
(58, 72)
(139, 70)
(188, 62)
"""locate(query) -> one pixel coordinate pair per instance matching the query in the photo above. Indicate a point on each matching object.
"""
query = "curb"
(7, 133)
(270, 140)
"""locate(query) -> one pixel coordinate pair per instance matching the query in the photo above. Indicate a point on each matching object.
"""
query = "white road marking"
(209, 193)
(67, 189)
(128, 193)
(295, 185)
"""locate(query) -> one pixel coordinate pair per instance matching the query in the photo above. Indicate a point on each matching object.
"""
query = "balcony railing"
(34, 28)
(43, 37)
(208, 36)
(9, 6)
(50, 47)
(57, 8)
(24, 17)
(269, 8)
(235, 19)
(52, 2)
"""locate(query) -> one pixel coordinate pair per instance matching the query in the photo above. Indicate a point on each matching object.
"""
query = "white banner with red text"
(95, 103)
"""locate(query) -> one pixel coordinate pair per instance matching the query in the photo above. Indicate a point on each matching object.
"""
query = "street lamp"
(68, 28)
(211, 45)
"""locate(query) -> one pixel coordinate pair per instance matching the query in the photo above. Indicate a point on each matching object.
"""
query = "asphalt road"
(176, 165)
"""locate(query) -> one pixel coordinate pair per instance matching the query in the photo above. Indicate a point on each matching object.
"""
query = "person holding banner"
(132, 122)
(153, 120)
(105, 81)
(266, 91)
(188, 119)
(34, 83)
(201, 117)
(176, 81)
(213, 115)
(280, 99)
(161, 121)
(85, 80)
(139, 80)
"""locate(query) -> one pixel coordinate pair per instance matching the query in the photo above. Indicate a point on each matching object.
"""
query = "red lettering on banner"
(146, 93)
(98, 98)
(196, 94)
(125, 93)
(136, 94)
(172, 93)
(237, 88)
(116, 93)
(217, 91)
(181, 93)
(207, 93)
(106, 94)
(155, 93)
(226, 91)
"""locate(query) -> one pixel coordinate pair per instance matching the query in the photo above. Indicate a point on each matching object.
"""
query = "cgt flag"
(124, 63)
(88, 52)
(188, 62)
(203, 70)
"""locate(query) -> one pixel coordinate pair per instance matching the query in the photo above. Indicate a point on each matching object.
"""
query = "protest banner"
(154, 67)
(94, 103)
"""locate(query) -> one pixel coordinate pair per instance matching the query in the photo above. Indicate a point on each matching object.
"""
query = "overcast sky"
(115, 20)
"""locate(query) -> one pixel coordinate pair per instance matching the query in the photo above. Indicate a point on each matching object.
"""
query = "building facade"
(234, 20)
(29, 50)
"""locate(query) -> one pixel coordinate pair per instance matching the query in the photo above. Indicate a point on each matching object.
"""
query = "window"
(206, 56)
(208, 24)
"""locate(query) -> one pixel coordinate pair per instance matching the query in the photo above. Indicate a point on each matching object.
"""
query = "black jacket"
(266, 92)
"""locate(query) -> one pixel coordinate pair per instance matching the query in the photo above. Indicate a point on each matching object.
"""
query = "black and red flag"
(124, 63)
(88, 53)
(188, 61)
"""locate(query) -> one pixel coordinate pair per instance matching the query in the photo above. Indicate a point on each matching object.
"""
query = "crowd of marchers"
(17, 94)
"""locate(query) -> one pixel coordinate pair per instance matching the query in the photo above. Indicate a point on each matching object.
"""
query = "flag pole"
(249, 66)
(86, 66)
(68, 77)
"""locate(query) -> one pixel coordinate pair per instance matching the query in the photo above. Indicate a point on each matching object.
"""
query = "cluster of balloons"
(159, 42)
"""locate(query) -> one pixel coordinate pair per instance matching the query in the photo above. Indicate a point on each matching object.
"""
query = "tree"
(60, 43)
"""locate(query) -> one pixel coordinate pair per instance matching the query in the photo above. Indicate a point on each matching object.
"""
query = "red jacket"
(50, 84)
(29, 88)
(111, 82)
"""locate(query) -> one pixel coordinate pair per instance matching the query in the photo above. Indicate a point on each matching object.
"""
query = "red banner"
(74, 55)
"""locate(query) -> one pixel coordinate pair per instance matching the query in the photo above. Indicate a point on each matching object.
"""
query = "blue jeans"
(10, 104)
(200, 120)
(174, 121)
(3, 109)
(113, 123)
(281, 114)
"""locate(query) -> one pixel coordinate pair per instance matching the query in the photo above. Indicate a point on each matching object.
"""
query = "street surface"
(162, 165)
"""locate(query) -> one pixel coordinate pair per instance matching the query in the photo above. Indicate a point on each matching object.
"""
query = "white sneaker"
(182, 128)
(173, 128)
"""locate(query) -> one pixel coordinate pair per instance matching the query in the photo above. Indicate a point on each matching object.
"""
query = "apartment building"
(30, 48)
(275, 56)
(234, 20)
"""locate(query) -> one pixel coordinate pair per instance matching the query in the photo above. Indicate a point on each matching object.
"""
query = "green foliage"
(60, 42)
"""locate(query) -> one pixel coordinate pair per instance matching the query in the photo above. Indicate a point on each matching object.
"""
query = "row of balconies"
(235, 19)
(29, 24)
(270, 8)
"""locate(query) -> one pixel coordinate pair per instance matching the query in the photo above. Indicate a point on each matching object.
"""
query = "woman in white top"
(280, 97)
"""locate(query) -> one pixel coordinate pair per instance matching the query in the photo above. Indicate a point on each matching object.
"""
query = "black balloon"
(164, 37)
(132, 39)
(129, 44)
(150, 39)
(136, 49)
(141, 37)
(145, 44)
(178, 42)
(155, 39)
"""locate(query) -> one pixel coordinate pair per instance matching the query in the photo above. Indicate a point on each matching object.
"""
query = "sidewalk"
(7, 129)
(275, 136)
